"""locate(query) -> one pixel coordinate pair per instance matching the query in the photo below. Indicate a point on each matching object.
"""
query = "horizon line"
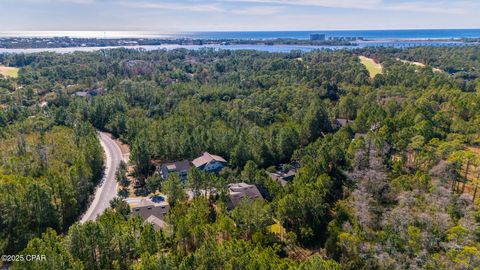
(236, 30)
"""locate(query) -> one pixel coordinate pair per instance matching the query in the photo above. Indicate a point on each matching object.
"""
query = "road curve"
(107, 189)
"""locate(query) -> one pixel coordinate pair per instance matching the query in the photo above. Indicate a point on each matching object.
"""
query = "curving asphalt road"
(107, 189)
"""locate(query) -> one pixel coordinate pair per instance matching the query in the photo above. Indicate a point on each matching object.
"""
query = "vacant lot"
(418, 64)
(9, 71)
(372, 66)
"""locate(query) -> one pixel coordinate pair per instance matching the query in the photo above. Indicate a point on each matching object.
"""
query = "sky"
(236, 15)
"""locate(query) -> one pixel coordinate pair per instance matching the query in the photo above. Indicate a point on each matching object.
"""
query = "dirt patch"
(9, 71)
(418, 64)
(476, 150)
(125, 148)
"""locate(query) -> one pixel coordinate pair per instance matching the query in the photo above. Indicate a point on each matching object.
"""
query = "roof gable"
(207, 158)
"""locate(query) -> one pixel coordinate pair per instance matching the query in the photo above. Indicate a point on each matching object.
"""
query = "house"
(359, 135)
(83, 94)
(341, 122)
(283, 176)
(284, 173)
(209, 163)
(97, 92)
(180, 167)
(147, 207)
(375, 127)
(240, 191)
(90, 93)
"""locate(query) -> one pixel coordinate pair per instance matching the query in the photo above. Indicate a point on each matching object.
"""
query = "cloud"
(203, 6)
(79, 1)
(269, 7)
(426, 9)
(446, 7)
(178, 6)
(204, 15)
(359, 4)
(259, 10)
(61, 1)
(51, 2)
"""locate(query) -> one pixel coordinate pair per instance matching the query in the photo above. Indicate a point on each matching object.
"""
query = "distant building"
(283, 177)
(284, 173)
(97, 92)
(83, 94)
(375, 127)
(209, 163)
(341, 122)
(240, 191)
(90, 93)
(180, 167)
(345, 38)
(315, 37)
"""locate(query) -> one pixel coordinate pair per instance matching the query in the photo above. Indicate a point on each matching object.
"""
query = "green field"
(373, 67)
(9, 71)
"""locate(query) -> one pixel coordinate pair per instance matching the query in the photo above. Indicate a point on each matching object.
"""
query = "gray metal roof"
(240, 191)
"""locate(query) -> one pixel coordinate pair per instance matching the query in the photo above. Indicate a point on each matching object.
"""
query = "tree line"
(373, 194)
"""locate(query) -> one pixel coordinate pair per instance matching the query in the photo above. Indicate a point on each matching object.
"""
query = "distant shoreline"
(398, 34)
(334, 40)
(263, 47)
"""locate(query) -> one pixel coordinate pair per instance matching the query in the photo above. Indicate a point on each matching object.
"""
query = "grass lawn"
(9, 71)
(277, 228)
(372, 66)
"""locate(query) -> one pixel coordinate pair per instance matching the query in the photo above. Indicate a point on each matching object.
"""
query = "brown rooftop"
(207, 158)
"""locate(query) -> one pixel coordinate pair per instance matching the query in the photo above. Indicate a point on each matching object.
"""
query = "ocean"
(417, 34)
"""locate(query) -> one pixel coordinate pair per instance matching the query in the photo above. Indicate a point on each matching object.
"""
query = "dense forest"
(391, 189)
(46, 172)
